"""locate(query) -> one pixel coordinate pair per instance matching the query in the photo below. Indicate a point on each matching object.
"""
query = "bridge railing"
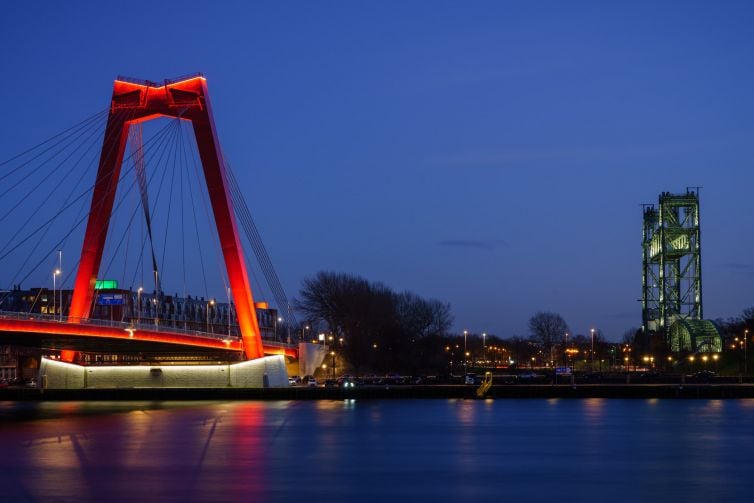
(142, 326)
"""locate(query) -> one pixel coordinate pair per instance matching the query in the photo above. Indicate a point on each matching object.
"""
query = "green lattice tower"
(672, 262)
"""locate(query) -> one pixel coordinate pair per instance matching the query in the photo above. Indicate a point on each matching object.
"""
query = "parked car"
(331, 383)
(31, 383)
(311, 382)
(703, 376)
(348, 382)
(343, 378)
(372, 379)
(3, 383)
(393, 379)
(471, 379)
(292, 381)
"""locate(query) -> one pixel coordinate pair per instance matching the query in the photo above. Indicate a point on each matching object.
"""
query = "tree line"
(376, 329)
(382, 330)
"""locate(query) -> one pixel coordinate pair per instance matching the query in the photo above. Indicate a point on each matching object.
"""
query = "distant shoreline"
(621, 391)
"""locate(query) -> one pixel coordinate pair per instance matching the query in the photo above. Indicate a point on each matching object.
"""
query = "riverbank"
(666, 391)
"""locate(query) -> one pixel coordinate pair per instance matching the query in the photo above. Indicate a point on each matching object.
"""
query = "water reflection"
(594, 410)
(438, 450)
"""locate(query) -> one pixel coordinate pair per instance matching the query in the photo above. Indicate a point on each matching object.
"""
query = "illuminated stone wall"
(250, 374)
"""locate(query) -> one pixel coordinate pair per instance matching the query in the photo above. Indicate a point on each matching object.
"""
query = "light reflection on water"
(436, 450)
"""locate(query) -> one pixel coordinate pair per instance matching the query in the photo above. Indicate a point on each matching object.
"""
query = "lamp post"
(60, 271)
(277, 320)
(210, 303)
(230, 310)
(332, 353)
(465, 353)
(54, 276)
(746, 354)
(591, 367)
(138, 305)
(303, 331)
(484, 346)
(565, 351)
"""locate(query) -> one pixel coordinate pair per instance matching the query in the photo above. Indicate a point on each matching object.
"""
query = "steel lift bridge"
(70, 327)
(672, 276)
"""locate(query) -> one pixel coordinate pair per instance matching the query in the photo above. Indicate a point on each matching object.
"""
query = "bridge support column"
(134, 102)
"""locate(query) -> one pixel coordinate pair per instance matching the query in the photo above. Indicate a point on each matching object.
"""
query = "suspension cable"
(150, 143)
(252, 234)
(29, 150)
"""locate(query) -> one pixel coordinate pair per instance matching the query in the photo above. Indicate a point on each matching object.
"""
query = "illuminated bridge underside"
(84, 337)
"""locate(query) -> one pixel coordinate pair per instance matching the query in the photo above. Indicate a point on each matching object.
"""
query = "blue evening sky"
(493, 155)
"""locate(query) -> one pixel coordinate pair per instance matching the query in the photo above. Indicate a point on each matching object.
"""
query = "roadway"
(103, 336)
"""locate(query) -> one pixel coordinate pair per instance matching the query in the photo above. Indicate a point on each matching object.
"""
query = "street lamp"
(59, 271)
(230, 310)
(746, 354)
(210, 303)
(332, 353)
(303, 329)
(465, 353)
(484, 346)
(54, 275)
(565, 351)
(277, 320)
(592, 355)
(138, 305)
(651, 361)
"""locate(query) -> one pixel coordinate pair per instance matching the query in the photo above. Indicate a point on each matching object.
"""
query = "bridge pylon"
(139, 101)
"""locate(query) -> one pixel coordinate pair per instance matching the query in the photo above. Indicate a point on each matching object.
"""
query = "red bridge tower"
(135, 102)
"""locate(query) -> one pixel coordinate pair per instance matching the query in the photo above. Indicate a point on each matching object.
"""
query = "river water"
(392, 450)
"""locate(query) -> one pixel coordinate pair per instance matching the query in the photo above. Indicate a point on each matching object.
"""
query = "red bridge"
(134, 102)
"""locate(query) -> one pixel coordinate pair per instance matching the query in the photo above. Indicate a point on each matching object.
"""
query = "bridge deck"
(52, 327)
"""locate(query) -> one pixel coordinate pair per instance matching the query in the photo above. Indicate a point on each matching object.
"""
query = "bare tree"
(629, 336)
(421, 318)
(381, 329)
(547, 329)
